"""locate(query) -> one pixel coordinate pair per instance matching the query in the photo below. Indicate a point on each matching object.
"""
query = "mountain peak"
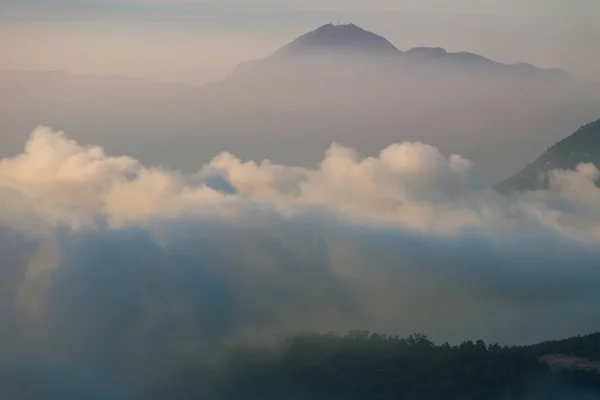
(345, 38)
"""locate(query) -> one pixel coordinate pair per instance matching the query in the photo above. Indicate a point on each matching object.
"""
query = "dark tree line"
(361, 365)
(587, 346)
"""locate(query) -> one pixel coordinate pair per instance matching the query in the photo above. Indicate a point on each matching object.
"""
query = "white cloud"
(408, 186)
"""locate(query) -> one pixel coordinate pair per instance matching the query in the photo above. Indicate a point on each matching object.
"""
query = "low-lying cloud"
(114, 273)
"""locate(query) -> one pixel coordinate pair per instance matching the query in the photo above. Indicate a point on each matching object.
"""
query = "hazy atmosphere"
(202, 40)
(221, 199)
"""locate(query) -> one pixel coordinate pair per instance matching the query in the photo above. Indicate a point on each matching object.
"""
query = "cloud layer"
(121, 272)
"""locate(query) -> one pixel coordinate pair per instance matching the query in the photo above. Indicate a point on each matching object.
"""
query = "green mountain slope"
(582, 146)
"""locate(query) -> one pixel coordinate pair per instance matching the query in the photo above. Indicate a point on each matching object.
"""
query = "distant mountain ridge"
(583, 146)
(351, 42)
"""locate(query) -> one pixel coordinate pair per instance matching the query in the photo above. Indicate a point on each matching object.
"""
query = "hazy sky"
(199, 40)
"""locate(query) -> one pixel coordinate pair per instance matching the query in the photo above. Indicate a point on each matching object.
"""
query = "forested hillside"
(361, 365)
(582, 146)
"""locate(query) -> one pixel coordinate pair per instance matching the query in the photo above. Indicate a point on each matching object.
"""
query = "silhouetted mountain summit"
(331, 38)
(345, 84)
(338, 49)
